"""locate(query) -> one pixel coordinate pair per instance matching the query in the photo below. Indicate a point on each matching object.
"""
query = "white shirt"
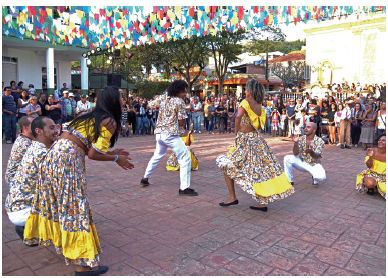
(346, 113)
(83, 106)
(358, 88)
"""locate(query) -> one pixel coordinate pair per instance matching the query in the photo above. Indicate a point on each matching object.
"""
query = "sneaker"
(339, 144)
(20, 231)
(347, 147)
(199, 131)
(9, 142)
(143, 182)
(356, 146)
(315, 184)
(342, 146)
(188, 192)
(351, 145)
(195, 131)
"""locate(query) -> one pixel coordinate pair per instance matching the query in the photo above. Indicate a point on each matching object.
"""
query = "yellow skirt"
(173, 165)
(253, 166)
(60, 212)
(379, 177)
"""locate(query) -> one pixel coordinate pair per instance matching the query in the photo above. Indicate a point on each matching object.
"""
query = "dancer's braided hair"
(256, 90)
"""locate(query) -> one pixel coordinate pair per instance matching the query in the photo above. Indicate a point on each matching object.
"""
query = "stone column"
(50, 70)
(84, 77)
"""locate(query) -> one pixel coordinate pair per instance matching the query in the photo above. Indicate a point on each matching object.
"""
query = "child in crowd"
(298, 128)
(282, 125)
(275, 122)
(303, 121)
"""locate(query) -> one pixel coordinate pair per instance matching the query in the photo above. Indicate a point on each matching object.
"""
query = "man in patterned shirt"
(307, 155)
(23, 185)
(19, 148)
(169, 128)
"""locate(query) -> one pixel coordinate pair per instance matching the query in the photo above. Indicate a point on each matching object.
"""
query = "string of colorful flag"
(136, 25)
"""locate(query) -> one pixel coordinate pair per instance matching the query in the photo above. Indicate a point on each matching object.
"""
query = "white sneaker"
(195, 131)
(351, 145)
(356, 146)
(199, 131)
(9, 142)
(339, 144)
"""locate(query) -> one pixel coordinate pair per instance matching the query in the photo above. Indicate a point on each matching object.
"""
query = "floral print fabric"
(61, 197)
(317, 145)
(23, 185)
(173, 165)
(19, 148)
(378, 172)
(251, 162)
(171, 110)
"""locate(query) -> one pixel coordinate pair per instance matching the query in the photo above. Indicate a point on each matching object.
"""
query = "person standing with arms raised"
(169, 129)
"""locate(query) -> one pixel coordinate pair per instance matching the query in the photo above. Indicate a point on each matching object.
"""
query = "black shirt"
(54, 114)
(137, 109)
(325, 110)
(331, 115)
(43, 107)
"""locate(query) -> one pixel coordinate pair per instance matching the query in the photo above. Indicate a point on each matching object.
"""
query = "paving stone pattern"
(329, 230)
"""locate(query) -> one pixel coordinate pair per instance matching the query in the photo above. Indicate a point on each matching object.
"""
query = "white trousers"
(179, 148)
(19, 218)
(291, 161)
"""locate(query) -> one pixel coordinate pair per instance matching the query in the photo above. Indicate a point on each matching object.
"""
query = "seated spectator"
(19, 148)
(306, 157)
(375, 175)
(172, 162)
(22, 186)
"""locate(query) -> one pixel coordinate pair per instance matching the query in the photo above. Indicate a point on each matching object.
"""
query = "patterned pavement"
(329, 230)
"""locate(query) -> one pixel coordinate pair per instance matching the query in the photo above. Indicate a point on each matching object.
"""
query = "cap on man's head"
(83, 96)
(65, 92)
(71, 95)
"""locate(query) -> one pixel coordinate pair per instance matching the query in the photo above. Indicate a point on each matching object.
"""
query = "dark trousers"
(132, 121)
(355, 134)
(205, 122)
(9, 122)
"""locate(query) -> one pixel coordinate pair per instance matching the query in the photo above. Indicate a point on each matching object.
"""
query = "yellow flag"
(207, 9)
(178, 11)
(49, 12)
(109, 13)
(80, 14)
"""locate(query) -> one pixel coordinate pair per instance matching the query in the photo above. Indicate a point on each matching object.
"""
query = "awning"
(96, 82)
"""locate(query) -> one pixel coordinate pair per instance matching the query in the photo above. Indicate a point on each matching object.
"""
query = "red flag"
(191, 12)
(87, 23)
(255, 9)
(155, 9)
(102, 12)
(118, 25)
(96, 16)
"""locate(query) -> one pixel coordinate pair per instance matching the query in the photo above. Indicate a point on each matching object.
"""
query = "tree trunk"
(189, 88)
(220, 86)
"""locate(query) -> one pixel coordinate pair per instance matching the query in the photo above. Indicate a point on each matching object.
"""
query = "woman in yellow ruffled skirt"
(172, 162)
(60, 211)
(375, 175)
(251, 163)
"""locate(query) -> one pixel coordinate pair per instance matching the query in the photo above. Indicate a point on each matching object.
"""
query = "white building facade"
(352, 51)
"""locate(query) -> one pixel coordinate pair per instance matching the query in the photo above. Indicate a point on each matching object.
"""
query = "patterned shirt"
(317, 145)
(19, 148)
(23, 185)
(171, 110)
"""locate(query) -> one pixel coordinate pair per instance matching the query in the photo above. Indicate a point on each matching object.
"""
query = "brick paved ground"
(329, 230)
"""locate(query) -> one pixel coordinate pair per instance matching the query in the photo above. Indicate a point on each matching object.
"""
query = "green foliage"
(260, 46)
(149, 89)
(76, 64)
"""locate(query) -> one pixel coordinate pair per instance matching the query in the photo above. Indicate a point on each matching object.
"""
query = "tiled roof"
(289, 57)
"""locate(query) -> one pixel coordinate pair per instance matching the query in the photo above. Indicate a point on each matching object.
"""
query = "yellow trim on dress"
(255, 119)
(272, 187)
(102, 143)
(75, 245)
(379, 167)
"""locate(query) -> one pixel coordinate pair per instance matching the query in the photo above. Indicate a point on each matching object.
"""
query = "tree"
(225, 47)
(186, 54)
(289, 72)
(149, 89)
(260, 46)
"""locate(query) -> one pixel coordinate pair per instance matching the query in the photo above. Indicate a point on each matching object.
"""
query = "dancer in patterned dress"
(172, 162)
(60, 210)
(375, 176)
(251, 163)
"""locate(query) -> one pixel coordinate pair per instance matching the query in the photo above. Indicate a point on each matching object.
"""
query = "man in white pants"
(169, 128)
(307, 155)
(23, 185)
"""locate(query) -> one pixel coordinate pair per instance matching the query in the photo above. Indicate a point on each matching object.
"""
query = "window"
(44, 78)
(10, 59)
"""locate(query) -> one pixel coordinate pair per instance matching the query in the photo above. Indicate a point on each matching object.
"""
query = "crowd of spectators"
(351, 122)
